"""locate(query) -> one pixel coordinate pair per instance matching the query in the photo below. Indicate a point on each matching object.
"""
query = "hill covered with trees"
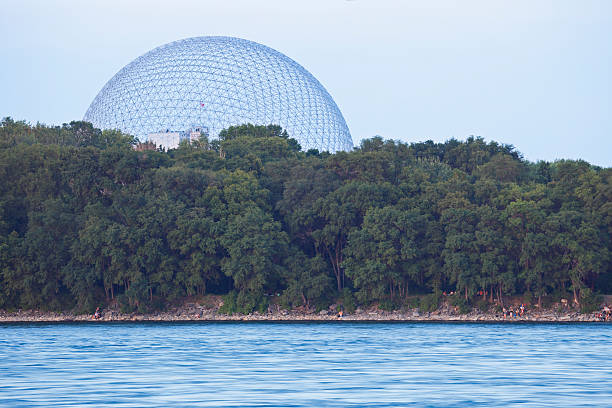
(87, 219)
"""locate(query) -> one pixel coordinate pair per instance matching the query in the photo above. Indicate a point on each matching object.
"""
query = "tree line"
(86, 219)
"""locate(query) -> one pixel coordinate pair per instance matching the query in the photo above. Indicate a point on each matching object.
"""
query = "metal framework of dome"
(217, 82)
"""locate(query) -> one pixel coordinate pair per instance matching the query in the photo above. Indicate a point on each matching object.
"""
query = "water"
(337, 364)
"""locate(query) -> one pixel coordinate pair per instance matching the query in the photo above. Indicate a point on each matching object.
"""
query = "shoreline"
(208, 315)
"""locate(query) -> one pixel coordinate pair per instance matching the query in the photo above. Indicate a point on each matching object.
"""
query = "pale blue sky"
(533, 73)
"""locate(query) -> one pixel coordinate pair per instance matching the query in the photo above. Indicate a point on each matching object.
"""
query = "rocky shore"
(197, 312)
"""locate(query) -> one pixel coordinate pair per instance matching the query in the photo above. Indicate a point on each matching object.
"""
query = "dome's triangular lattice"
(217, 82)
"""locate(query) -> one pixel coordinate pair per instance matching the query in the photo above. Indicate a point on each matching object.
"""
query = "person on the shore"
(97, 314)
(605, 314)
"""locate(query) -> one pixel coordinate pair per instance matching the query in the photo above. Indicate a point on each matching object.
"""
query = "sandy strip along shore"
(198, 313)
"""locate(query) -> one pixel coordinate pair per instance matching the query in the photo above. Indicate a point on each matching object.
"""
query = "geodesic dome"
(217, 82)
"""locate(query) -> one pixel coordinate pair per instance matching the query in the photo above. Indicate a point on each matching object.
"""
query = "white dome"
(218, 82)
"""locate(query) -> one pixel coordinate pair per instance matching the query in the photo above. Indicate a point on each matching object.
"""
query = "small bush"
(286, 302)
(460, 302)
(413, 302)
(547, 301)
(321, 305)
(125, 305)
(229, 303)
(243, 303)
(431, 302)
(483, 305)
(589, 301)
(129, 305)
(348, 300)
(387, 304)
(528, 298)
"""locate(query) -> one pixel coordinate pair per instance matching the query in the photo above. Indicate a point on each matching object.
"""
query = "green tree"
(256, 246)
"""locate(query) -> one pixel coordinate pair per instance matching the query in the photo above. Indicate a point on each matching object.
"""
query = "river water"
(333, 364)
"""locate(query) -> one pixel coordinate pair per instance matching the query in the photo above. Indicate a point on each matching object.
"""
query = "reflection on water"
(312, 365)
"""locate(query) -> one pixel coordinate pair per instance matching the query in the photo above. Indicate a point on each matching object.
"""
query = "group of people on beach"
(514, 313)
(605, 315)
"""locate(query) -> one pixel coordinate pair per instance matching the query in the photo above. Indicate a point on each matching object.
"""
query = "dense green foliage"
(86, 219)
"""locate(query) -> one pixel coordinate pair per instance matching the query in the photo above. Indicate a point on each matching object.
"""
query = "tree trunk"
(339, 260)
(575, 296)
(335, 269)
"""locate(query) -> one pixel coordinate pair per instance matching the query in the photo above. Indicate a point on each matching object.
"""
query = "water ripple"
(305, 365)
